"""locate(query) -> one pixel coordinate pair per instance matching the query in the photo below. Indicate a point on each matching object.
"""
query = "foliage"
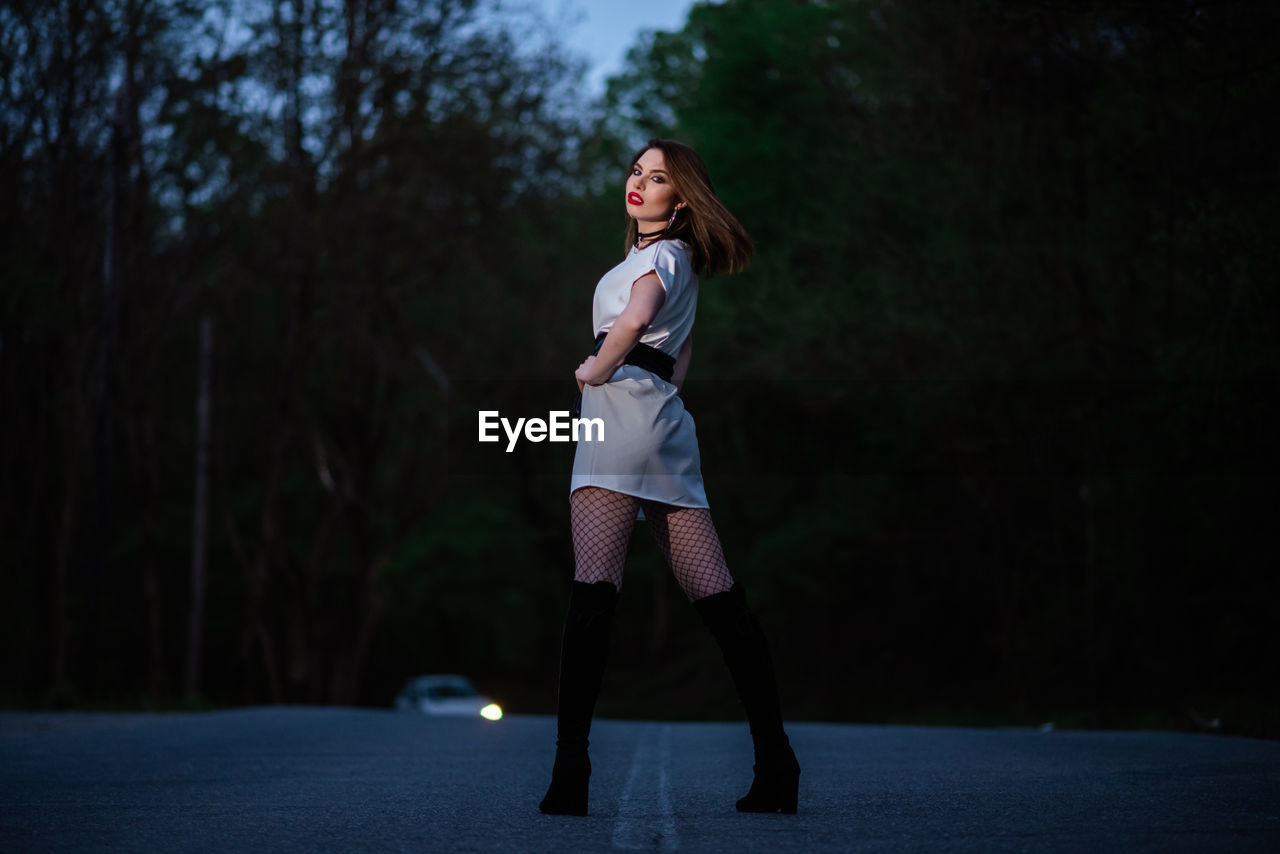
(985, 423)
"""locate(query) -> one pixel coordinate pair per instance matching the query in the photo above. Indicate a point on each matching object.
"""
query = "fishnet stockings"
(691, 546)
(602, 520)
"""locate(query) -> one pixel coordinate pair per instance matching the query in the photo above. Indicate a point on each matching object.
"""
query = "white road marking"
(646, 821)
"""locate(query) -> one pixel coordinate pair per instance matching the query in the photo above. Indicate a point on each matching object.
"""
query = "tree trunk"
(200, 526)
(346, 690)
(62, 557)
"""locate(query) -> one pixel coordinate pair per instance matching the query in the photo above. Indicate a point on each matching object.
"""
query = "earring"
(673, 216)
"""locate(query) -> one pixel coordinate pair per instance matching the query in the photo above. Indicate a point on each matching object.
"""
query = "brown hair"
(720, 243)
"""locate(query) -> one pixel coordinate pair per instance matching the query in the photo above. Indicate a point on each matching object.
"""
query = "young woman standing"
(648, 466)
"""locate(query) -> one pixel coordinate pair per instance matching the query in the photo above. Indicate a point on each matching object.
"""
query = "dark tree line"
(985, 425)
(1012, 294)
(319, 183)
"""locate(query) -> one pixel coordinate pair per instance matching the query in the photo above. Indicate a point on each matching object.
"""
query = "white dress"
(650, 447)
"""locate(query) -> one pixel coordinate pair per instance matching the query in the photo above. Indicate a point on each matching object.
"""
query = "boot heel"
(776, 794)
(791, 801)
(566, 796)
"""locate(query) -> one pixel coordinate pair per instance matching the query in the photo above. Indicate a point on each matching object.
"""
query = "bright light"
(491, 712)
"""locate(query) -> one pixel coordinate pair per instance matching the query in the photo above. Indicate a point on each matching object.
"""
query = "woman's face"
(650, 196)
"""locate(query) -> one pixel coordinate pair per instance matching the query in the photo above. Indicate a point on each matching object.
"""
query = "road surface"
(329, 779)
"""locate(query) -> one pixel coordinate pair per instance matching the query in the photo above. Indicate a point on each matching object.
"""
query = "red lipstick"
(635, 199)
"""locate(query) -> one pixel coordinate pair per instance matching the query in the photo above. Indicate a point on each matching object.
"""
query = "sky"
(602, 30)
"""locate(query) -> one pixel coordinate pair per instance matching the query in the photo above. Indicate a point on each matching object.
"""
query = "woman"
(647, 466)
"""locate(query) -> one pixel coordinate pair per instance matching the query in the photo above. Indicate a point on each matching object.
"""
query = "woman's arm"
(647, 296)
(682, 362)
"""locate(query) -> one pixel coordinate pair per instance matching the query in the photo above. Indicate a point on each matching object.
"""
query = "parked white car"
(446, 694)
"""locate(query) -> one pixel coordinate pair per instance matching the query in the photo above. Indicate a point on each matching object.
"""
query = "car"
(446, 694)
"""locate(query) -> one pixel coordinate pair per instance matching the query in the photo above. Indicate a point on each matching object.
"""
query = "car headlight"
(491, 712)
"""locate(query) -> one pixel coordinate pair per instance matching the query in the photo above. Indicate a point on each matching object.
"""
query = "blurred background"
(987, 426)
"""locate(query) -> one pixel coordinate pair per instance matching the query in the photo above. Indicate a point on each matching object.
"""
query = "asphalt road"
(311, 779)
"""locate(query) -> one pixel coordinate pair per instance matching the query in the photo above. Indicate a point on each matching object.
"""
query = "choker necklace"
(642, 236)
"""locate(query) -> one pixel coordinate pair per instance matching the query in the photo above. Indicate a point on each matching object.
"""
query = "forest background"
(986, 426)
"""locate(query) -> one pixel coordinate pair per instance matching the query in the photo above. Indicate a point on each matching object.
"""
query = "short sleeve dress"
(650, 446)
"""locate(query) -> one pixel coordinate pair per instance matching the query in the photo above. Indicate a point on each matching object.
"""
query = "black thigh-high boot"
(583, 654)
(746, 652)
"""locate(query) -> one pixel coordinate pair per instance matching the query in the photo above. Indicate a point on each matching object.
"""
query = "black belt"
(643, 356)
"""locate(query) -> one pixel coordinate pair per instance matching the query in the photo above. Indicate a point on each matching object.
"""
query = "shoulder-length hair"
(720, 243)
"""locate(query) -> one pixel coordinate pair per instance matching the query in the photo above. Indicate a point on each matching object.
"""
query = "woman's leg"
(602, 521)
(688, 539)
(691, 546)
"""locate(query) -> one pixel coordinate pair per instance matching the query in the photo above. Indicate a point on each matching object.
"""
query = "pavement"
(284, 779)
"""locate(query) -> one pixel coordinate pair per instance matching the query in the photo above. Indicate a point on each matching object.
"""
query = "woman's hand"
(585, 375)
